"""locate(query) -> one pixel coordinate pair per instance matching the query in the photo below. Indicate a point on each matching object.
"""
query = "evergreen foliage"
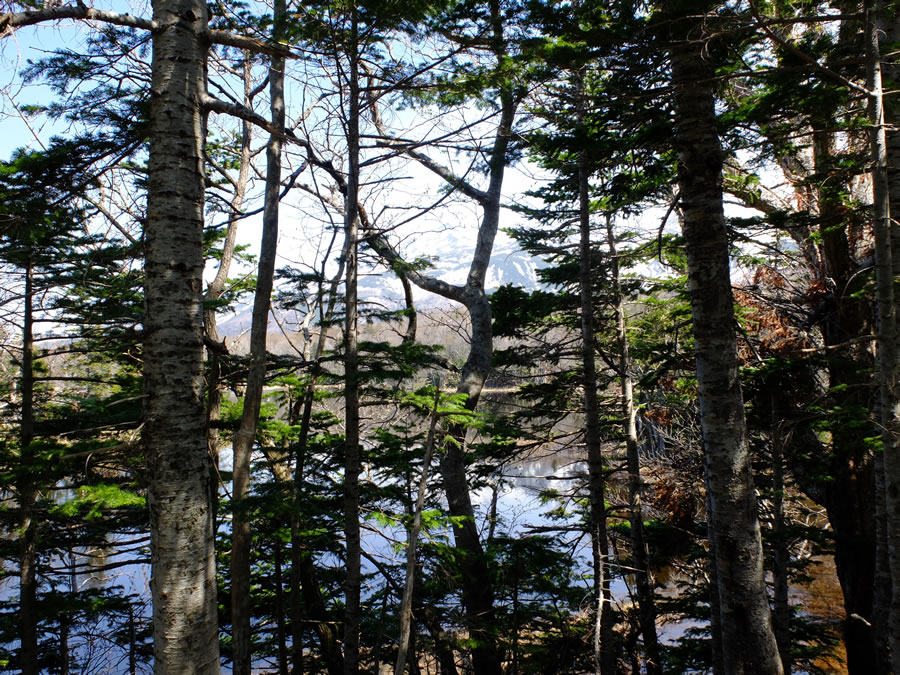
(381, 97)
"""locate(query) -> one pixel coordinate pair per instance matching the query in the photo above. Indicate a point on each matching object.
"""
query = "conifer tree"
(748, 643)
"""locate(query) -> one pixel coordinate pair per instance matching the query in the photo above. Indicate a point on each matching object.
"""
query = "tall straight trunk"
(715, 610)
(748, 642)
(185, 632)
(882, 589)
(304, 578)
(604, 649)
(353, 578)
(643, 577)
(280, 618)
(28, 652)
(887, 324)
(886, 590)
(241, 539)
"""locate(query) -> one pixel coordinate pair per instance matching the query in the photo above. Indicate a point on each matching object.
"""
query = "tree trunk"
(305, 587)
(217, 286)
(715, 609)
(241, 538)
(28, 653)
(748, 641)
(604, 648)
(887, 325)
(849, 494)
(781, 556)
(477, 585)
(353, 578)
(408, 586)
(183, 580)
(639, 553)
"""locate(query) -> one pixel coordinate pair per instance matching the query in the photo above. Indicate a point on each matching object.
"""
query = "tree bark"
(748, 641)
(217, 286)
(180, 489)
(849, 494)
(781, 617)
(305, 588)
(477, 586)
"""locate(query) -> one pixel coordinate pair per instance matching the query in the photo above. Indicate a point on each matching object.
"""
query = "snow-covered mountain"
(451, 255)
(509, 265)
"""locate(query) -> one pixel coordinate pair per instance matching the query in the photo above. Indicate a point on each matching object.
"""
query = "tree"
(748, 643)
(485, 29)
(245, 435)
(181, 518)
(174, 437)
(36, 227)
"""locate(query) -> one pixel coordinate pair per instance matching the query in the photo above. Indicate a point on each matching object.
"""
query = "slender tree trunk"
(305, 588)
(887, 19)
(408, 586)
(883, 588)
(849, 494)
(280, 628)
(887, 323)
(304, 579)
(715, 609)
(604, 648)
(642, 575)
(748, 641)
(28, 652)
(353, 578)
(476, 582)
(241, 539)
(781, 617)
(183, 580)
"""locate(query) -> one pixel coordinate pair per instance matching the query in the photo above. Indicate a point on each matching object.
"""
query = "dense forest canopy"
(698, 387)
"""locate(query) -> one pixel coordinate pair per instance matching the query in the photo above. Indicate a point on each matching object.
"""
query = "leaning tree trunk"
(185, 633)
(406, 603)
(217, 286)
(241, 538)
(475, 579)
(748, 641)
